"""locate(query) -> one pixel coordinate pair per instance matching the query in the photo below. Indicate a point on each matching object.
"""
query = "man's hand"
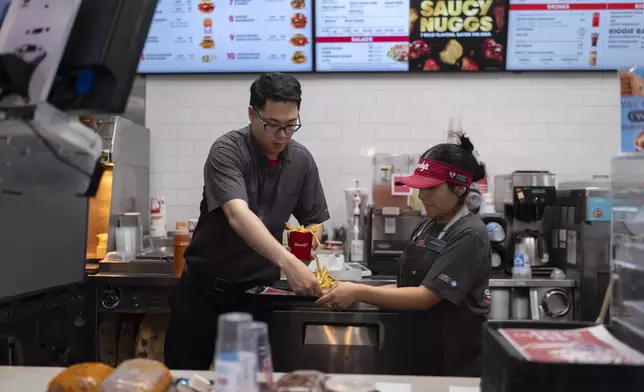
(300, 278)
(307, 262)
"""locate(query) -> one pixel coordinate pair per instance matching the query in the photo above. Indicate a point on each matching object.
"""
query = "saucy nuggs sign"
(457, 35)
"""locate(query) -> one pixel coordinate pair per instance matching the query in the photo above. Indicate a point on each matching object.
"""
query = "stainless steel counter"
(162, 270)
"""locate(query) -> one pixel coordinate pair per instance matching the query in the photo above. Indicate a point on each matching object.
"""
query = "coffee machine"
(532, 192)
(579, 228)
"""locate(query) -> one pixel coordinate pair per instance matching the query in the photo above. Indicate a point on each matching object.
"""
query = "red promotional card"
(593, 345)
(272, 291)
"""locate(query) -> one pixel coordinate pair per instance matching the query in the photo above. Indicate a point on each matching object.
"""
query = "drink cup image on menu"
(207, 26)
(594, 37)
(457, 35)
(206, 6)
(592, 61)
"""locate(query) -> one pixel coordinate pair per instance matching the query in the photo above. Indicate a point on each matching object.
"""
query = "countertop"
(35, 379)
(160, 274)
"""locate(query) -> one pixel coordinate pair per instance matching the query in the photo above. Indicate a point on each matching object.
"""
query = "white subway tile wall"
(565, 123)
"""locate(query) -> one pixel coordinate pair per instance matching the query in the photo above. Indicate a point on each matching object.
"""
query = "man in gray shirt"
(254, 179)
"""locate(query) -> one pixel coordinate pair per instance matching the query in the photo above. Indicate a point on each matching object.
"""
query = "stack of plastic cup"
(264, 358)
(248, 356)
(231, 373)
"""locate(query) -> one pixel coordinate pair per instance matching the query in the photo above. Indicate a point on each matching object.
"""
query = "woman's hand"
(341, 296)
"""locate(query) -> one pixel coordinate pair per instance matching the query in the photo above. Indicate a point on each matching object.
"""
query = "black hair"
(460, 155)
(277, 87)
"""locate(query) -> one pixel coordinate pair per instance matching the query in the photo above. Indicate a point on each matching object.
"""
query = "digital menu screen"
(211, 36)
(410, 35)
(575, 35)
(361, 36)
(457, 35)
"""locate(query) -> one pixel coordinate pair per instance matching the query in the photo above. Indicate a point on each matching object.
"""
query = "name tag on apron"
(431, 242)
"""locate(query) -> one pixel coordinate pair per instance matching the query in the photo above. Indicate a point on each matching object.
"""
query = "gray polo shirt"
(237, 168)
(461, 273)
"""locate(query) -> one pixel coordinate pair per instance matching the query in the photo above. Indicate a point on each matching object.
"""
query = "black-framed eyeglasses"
(275, 128)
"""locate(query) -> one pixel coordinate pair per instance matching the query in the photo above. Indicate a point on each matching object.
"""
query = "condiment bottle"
(181, 241)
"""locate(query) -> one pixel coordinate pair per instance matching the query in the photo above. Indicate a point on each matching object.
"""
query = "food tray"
(505, 370)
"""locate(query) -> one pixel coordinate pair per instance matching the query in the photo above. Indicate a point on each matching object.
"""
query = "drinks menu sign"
(192, 36)
(575, 34)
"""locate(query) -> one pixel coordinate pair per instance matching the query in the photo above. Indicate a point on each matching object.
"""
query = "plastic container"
(138, 375)
(349, 384)
(126, 240)
(101, 248)
(385, 168)
(80, 377)
(264, 356)
(522, 265)
(248, 356)
(181, 242)
(158, 218)
(230, 374)
(301, 381)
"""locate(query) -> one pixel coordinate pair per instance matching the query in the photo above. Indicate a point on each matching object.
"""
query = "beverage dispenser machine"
(390, 220)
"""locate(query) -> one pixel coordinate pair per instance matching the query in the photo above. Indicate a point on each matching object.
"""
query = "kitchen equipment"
(627, 245)
(388, 231)
(386, 167)
(578, 226)
(552, 304)
(500, 307)
(474, 199)
(349, 198)
(532, 191)
(520, 305)
(502, 192)
(363, 340)
(534, 245)
(497, 228)
(125, 184)
(499, 257)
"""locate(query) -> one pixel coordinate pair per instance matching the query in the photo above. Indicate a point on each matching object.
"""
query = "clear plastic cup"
(264, 356)
(230, 370)
(248, 356)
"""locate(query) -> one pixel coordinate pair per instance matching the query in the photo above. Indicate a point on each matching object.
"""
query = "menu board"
(457, 35)
(410, 35)
(575, 34)
(361, 36)
(209, 36)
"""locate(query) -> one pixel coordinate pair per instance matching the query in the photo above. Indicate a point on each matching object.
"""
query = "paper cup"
(300, 244)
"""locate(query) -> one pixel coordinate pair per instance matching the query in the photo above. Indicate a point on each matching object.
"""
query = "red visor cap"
(430, 173)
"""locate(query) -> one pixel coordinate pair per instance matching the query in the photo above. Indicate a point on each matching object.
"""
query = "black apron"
(446, 339)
